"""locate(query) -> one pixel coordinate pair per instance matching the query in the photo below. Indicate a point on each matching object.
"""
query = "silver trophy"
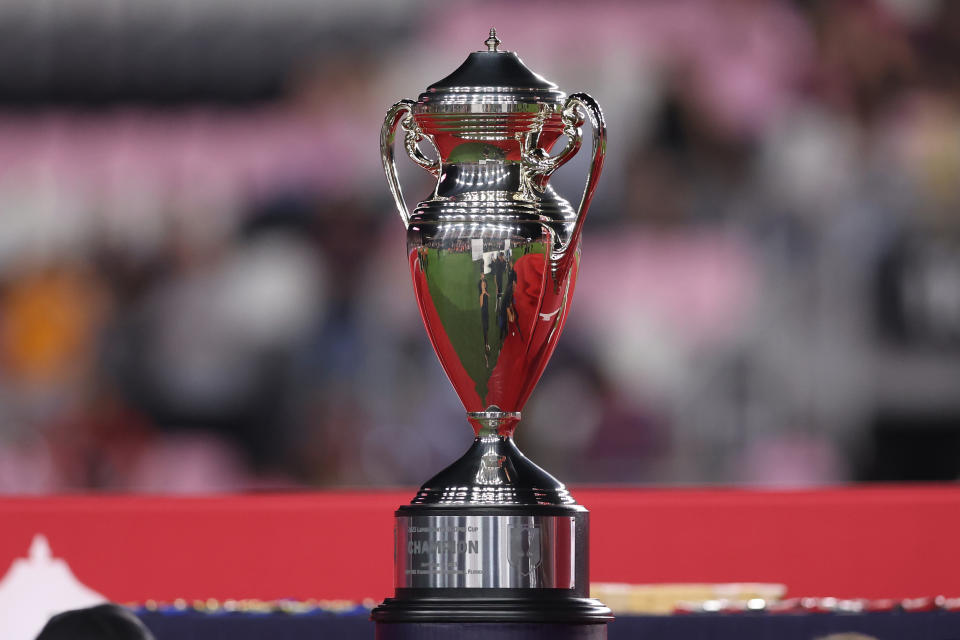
(494, 255)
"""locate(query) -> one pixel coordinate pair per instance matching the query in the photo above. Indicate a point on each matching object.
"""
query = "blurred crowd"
(203, 285)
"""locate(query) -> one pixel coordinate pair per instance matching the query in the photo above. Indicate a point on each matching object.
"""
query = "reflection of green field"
(454, 286)
(453, 279)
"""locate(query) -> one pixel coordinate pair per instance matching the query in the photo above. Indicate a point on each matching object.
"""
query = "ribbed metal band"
(496, 100)
(459, 551)
(478, 208)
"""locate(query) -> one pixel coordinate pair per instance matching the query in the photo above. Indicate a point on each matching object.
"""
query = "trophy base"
(482, 564)
(491, 631)
(493, 606)
(495, 545)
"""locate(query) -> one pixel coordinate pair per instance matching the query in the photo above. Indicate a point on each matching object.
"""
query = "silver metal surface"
(401, 114)
(492, 81)
(493, 42)
(562, 256)
(493, 472)
(539, 164)
(488, 551)
(493, 254)
(387, 134)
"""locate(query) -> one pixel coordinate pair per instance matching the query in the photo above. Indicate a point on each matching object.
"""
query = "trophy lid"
(489, 78)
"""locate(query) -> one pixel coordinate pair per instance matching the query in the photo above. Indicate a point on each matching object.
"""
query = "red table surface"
(871, 542)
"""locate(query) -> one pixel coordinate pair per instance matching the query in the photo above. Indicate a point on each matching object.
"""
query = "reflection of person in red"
(540, 312)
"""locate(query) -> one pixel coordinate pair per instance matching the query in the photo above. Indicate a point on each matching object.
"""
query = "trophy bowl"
(493, 254)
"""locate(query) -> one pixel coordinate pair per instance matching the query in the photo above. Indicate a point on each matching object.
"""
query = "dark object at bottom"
(174, 624)
(412, 606)
(532, 617)
(490, 631)
(103, 622)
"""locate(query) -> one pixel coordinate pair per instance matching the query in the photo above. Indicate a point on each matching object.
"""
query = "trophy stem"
(493, 422)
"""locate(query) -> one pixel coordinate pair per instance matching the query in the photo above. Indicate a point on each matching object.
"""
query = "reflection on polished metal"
(483, 551)
(494, 255)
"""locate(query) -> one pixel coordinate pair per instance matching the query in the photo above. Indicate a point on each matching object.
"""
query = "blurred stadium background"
(203, 284)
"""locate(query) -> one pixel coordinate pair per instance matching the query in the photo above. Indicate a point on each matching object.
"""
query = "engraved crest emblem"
(524, 548)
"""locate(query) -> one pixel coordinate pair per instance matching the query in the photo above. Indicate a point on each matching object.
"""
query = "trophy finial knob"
(493, 41)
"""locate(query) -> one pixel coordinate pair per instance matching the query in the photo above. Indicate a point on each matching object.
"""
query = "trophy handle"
(573, 105)
(538, 163)
(401, 114)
